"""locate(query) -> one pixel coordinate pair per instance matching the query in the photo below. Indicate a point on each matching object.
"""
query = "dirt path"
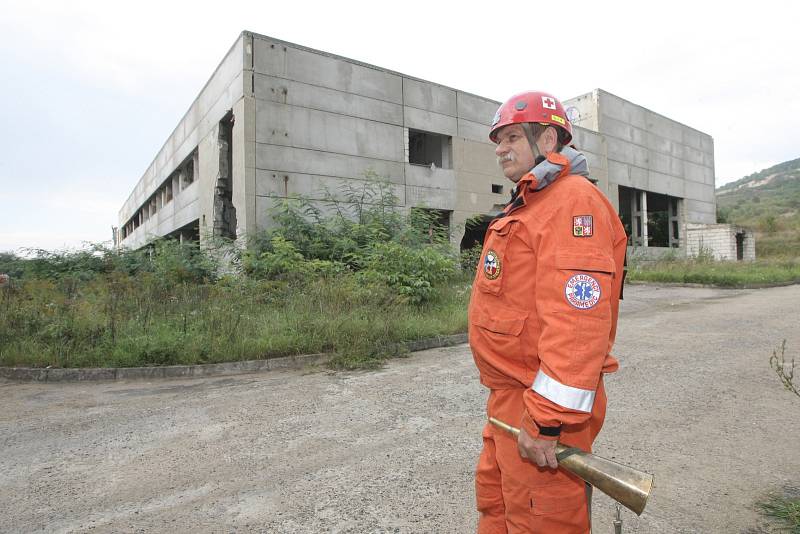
(393, 451)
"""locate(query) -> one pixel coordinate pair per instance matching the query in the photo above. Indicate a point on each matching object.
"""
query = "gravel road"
(393, 450)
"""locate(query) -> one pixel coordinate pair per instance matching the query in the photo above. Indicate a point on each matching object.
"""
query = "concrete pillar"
(674, 222)
(643, 215)
(639, 218)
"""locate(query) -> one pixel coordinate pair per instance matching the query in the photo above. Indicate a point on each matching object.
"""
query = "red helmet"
(532, 106)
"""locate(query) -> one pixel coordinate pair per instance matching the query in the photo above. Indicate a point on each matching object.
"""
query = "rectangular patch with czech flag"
(582, 226)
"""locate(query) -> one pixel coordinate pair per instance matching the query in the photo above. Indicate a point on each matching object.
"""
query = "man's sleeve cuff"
(551, 433)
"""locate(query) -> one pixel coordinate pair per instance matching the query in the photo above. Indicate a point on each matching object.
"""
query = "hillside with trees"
(767, 201)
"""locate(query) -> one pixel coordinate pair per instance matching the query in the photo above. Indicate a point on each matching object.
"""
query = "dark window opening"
(653, 213)
(435, 223)
(497, 188)
(740, 246)
(188, 174)
(425, 148)
(168, 190)
(626, 211)
(662, 221)
(657, 220)
(475, 231)
(187, 233)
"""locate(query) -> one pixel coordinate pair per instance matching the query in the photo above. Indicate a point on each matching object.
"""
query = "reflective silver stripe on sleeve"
(566, 396)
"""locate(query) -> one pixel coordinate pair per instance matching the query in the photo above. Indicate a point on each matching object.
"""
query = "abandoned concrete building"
(277, 120)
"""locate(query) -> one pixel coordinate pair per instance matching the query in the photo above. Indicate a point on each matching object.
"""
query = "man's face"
(513, 152)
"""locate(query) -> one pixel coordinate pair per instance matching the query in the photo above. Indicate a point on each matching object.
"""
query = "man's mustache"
(507, 157)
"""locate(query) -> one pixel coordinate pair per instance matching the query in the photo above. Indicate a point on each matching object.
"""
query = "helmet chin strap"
(538, 157)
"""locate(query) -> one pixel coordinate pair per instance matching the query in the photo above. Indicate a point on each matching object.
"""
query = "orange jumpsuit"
(542, 320)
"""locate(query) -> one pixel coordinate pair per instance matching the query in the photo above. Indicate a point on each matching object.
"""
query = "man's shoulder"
(574, 183)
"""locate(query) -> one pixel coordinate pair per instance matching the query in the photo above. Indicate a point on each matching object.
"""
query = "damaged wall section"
(224, 210)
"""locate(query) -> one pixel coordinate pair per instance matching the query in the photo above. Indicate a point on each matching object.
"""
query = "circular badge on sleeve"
(582, 291)
(491, 265)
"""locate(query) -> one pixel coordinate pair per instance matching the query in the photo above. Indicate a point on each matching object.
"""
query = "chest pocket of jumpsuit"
(493, 262)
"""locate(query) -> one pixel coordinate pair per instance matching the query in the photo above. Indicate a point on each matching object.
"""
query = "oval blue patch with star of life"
(582, 291)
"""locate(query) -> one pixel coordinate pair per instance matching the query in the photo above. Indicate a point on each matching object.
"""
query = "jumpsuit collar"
(557, 164)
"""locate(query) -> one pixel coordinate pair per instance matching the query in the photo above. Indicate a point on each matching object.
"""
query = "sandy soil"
(695, 403)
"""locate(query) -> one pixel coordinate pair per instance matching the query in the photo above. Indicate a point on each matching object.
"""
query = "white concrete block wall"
(719, 240)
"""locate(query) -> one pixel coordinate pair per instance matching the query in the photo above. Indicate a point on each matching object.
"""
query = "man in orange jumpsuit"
(542, 320)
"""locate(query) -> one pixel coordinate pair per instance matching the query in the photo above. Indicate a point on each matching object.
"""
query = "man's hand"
(542, 452)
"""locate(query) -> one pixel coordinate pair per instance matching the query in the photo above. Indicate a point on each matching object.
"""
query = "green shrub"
(412, 272)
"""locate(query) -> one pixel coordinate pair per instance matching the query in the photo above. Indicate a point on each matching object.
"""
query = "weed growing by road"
(784, 371)
(784, 509)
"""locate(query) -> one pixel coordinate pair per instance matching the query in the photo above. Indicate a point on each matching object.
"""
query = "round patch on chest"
(582, 291)
(491, 265)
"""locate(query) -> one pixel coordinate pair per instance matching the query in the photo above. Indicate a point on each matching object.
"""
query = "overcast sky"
(91, 89)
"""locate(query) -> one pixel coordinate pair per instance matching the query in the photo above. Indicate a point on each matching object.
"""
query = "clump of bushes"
(365, 234)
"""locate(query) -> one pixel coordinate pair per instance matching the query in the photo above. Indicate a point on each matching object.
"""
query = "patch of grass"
(785, 510)
(718, 273)
(237, 319)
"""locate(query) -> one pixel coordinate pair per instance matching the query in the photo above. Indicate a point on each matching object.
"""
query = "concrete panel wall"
(275, 58)
(304, 95)
(283, 159)
(322, 119)
(429, 121)
(475, 108)
(425, 176)
(696, 211)
(476, 157)
(473, 130)
(665, 184)
(653, 153)
(314, 186)
(476, 172)
(430, 97)
(429, 197)
(285, 125)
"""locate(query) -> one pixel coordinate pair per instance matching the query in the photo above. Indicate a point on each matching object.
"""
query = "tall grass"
(123, 320)
(354, 284)
(718, 273)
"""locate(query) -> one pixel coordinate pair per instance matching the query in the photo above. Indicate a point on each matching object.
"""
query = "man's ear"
(550, 139)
